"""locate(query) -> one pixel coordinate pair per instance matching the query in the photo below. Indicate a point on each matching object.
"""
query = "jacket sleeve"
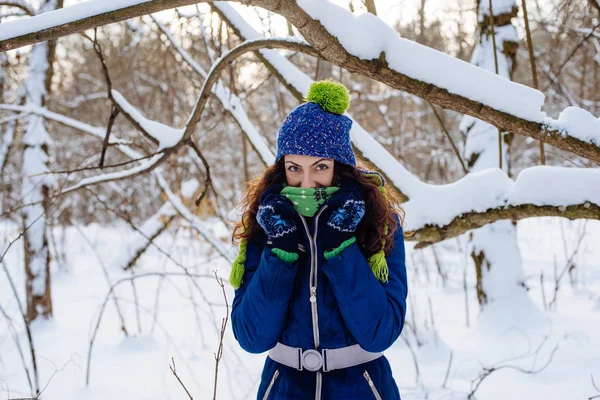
(373, 311)
(260, 304)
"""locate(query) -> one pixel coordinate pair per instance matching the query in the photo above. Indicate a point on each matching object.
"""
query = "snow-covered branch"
(143, 237)
(98, 132)
(363, 45)
(170, 139)
(130, 173)
(78, 18)
(440, 212)
(228, 58)
(230, 102)
(162, 135)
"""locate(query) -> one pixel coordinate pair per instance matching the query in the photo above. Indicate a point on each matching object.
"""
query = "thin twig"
(219, 352)
(172, 368)
(445, 130)
(208, 180)
(18, 344)
(488, 371)
(111, 120)
(106, 276)
(448, 369)
(533, 68)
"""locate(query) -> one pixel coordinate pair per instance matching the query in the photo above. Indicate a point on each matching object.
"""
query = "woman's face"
(308, 171)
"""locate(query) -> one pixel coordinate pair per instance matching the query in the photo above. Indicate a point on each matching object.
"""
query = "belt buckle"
(310, 360)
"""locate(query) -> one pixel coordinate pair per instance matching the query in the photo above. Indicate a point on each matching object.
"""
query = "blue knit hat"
(318, 127)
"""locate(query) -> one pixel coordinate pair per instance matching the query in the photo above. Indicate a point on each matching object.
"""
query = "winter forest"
(129, 130)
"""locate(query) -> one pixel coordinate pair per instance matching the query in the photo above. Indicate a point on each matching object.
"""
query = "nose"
(307, 181)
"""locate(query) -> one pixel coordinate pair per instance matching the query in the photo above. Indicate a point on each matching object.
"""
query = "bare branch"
(445, 130)
(21, 5)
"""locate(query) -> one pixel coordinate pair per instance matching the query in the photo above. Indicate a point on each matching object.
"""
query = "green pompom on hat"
(331, 96)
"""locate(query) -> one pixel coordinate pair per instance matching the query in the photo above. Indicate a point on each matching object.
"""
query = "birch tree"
(35, 185)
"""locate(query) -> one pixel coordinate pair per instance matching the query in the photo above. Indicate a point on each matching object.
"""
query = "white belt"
(328, 359)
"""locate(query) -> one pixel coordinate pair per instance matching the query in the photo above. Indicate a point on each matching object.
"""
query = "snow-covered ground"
(174, 319)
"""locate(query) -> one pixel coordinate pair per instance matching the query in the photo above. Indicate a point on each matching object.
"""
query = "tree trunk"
(494, 249)
(35, 184)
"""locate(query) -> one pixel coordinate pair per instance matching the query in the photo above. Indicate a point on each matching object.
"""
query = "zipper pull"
(368, 378)
(313, 294)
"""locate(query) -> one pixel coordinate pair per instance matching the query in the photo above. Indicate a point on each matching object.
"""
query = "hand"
(277, 217)
(347, 208)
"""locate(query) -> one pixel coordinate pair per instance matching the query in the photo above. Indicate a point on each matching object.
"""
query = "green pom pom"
(331, 96)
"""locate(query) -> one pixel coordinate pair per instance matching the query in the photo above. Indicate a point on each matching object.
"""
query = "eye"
(322, 167)
(293, 168)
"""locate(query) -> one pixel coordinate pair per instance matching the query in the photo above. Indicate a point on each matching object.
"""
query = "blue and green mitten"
(347, 208)
(277, 217)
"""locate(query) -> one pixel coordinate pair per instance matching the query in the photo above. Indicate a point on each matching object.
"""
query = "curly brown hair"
(381, 210)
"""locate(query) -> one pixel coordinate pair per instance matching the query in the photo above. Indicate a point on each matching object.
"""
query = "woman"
(320, 278)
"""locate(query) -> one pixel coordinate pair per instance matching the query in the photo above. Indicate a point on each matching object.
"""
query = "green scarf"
(308, 200)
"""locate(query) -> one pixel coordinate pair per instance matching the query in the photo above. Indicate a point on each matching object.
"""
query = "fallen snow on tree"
(492, 188)
(578, 123)
(499, 7)
(367, 36)
(63, 16)
(165, 135)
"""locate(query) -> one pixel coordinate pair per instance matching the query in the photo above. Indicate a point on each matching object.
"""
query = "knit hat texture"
(317, 128)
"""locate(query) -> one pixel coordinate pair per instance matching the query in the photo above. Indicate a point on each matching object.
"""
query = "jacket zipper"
(275, 375)
(371, 385)
(313, 291)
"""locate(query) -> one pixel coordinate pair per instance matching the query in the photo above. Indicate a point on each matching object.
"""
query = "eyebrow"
(315, 163)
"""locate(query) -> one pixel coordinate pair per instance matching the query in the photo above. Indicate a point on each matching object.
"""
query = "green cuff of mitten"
(285, 255)
(338, 250)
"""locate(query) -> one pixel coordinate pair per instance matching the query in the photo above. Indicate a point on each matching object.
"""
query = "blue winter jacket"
(272, 305)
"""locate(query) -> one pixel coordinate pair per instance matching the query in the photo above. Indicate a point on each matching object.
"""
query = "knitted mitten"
(277, 217)
(347, 209)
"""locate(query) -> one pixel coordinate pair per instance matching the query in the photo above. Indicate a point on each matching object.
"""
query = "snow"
(483, 55)
(568, 186)
(440, 204)
(166, 136)
(492, 188)
(578, 123)
(63, 16)
(367, 36)
(177, 321)
(142, 237)
(499, 7)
